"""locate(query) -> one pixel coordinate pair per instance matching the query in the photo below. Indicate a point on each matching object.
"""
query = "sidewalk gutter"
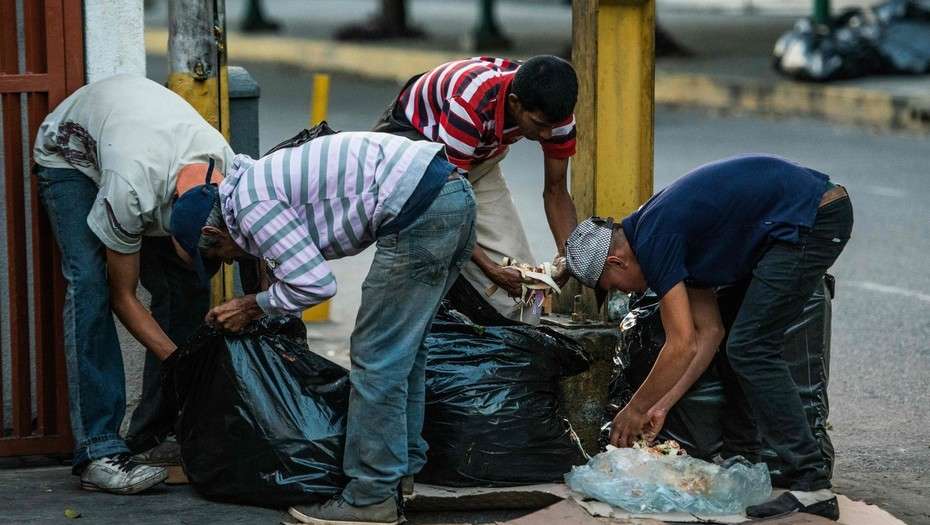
(855, 106)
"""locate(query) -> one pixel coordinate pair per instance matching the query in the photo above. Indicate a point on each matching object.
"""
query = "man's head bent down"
(600, 257)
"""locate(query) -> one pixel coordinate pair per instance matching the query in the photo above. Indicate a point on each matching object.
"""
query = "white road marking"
(884, 288)
(885, 191)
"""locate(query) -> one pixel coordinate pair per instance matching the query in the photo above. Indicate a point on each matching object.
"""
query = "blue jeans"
(410, 274)
(96, 384)
(96, 387)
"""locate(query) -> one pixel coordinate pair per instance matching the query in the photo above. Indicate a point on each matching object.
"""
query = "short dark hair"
(547, 83)
(617, 238)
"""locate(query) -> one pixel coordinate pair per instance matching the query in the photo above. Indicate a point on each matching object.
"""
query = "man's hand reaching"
(508, 279)
(234, 315)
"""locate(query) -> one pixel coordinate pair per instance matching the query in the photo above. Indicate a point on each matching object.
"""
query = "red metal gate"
(41, 62)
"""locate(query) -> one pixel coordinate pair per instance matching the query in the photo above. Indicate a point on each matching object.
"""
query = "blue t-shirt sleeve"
(662, 259)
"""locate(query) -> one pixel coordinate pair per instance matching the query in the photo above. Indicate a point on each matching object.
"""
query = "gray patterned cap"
(587, 247)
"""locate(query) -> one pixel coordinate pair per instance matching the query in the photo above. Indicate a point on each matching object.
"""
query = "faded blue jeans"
(96, 384)
(410, 274)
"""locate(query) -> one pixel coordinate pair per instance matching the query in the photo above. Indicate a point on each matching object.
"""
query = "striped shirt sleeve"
(303, 278)
(562, 143)
(460, 130)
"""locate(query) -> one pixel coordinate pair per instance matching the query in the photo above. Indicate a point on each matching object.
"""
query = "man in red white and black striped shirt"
(477, 108)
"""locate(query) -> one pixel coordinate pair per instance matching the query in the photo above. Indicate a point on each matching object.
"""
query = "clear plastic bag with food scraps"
(663, 478)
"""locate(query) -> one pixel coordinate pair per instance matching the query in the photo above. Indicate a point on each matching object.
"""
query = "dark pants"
(179, 305)
(782, 281)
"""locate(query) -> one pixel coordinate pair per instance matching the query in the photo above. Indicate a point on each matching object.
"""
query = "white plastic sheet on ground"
(644, 483)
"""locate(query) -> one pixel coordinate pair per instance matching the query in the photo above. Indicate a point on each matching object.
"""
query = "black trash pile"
(492, 404)
(890, 38)
(261, 418)
(707, 419)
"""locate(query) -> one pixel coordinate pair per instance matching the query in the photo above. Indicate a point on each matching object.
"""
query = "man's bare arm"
(709, 333)
(674, 360)
(560, 208)
(123, 271)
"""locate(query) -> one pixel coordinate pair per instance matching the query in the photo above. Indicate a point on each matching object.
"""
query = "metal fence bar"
(40, 38)
(34, 77)
(16, 234)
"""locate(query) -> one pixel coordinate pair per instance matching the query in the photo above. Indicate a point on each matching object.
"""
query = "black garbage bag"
(844, 48)
(807, 351)
(903, 38)
(890, 38)
(262, 418)
(695, 420)
(492, 409)
(704, 418)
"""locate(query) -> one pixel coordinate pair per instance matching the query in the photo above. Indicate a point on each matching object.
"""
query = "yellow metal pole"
(319, 104)
(625, 106)
(197, 63)
(613, 51)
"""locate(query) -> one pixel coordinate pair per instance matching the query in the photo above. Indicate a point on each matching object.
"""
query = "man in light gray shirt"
(112, 160)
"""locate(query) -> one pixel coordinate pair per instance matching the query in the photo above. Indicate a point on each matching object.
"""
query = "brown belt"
(834, 194)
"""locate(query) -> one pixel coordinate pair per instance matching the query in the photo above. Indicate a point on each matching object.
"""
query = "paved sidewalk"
(42, 493)
(730, 70)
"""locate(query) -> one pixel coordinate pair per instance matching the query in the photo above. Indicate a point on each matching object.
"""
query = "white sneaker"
(120, 474)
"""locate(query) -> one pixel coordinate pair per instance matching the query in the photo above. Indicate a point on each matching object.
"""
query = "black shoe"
(787, 503)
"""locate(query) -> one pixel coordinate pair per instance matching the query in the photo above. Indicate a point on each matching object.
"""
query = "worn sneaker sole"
(304, 519)
(131, 489)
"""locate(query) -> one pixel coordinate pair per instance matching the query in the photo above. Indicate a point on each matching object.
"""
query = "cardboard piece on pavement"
(440, 498)
(568, 512)
(862, 513)
(560, 505)
(851, 513)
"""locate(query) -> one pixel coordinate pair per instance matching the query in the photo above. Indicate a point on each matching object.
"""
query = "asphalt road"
(881, 318)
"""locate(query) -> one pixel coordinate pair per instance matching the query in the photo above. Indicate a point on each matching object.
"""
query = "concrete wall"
(113, 38)
(114, 43)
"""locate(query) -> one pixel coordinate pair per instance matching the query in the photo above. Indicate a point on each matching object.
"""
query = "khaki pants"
(500, 234)
(498, 227)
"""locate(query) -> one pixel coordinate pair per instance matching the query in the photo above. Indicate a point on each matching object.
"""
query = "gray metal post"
(244, 93)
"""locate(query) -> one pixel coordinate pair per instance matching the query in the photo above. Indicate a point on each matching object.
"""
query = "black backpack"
(320, 130)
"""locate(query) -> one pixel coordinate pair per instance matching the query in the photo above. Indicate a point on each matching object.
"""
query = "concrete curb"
(871, 108)
(842, 105)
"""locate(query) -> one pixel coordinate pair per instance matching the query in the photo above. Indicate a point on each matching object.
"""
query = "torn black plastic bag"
(262, 418)
(492, 409)
(695, 420)
(704, 419)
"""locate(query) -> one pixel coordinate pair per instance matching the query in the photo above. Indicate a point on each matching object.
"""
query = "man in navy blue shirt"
(754, 218)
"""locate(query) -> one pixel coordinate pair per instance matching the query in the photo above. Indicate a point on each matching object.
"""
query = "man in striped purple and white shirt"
(329, 198)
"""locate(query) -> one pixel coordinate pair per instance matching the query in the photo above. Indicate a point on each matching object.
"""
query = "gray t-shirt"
(130, 136)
